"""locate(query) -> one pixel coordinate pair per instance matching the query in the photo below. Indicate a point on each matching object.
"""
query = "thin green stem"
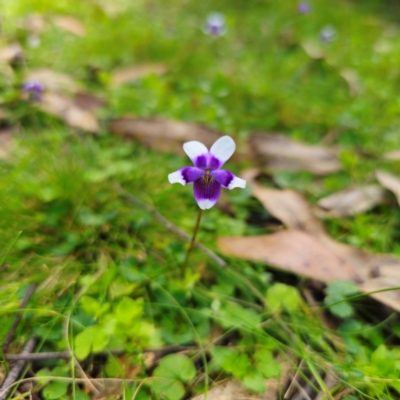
(196, 229)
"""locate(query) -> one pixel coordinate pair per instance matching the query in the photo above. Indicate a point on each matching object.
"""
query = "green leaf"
(383, 360)
(55, 390)
(271, 369)
(89, 305)
(176, 366)
(231, 361)
(93, 339)
(254, 381)
(128, 309)
(283, 297)
(341, 288)
(340, 307)
(167, 388)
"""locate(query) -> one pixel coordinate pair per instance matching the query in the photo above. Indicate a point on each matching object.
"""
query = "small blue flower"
(35, 89)
(215, 25)
(304, 7)
(328, 34)
(206, 175)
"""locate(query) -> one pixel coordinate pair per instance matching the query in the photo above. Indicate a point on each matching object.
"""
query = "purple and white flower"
(206, 175)
(303, 7)
(35, 89)
(215, 25)
(328, 34)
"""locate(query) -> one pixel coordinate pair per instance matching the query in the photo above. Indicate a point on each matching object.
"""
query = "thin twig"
(65, 355)
(15, 371)
(170, 226)
(18, 317)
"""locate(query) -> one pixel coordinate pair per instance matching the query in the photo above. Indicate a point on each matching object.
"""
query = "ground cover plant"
(291, 290)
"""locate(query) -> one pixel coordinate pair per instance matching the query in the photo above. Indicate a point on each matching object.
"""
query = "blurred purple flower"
(215, 25)
(304, 7)
(35, 89)
(328, 34)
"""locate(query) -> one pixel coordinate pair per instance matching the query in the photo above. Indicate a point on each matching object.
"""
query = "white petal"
(237, 183)
(223, 148)
(176, 177)
(206, 203)
(194, 149)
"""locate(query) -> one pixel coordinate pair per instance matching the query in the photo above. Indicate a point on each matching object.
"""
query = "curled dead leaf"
(11, 53)
(70, 24)
(313, 50)
(129, 74)
(278, 152)
(378, 272)
(162, 135)
(52, 81)
(390, 182)
(351, 201)
(392, 155)
(89, 101)
(353, 81)
(64, 108)
(291, 250)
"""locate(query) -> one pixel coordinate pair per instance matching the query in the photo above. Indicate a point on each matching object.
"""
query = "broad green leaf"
(128, 309)
(166, 388)
(93, 339)
(254, 381)
(283, 297)
(231, 361)
(383, 360)
(341, 288)
(55, 390)
(176, 366)
(89, 305)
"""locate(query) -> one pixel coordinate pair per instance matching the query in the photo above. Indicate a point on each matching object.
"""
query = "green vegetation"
(108, 273)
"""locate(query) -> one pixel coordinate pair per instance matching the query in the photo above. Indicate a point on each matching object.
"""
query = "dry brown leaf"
(89, 101)
(70, 24)
(34, 23)
(232, 389)
(52, 81)
(11, 53)
(291, 250)
(129, 74)
(390, 182)
(392, 155)
(65, 109)
(353, 81)
(280, 153)
(5, 142)
(313, 50)
(351, 201)
(378, 271)
(163, 135)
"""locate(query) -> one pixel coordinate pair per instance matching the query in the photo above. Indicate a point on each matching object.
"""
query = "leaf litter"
(371, 272)
(128, 74)
(277, 152)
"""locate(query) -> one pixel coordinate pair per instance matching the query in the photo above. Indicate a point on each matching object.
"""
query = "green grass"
(108, 273)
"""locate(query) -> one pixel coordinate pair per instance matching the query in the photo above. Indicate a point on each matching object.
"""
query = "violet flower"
(35, 89)
(206, 175)
(328, 34)
(215, 25)
(303, 7)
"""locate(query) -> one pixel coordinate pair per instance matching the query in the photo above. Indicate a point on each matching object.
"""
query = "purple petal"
(197, 152)
(186, 175)
(201, 161)
(221, 151)
(206, 192)
(228, 180)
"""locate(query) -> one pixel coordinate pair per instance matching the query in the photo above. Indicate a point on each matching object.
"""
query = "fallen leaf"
(377, 271)
(129, 74)
(291, 250)
(11, 53)
(6, 137)
(390, 182)
(89, 101)
(52, 81)
(233, 389)
(33, 23)
(313, 50)
(392, 155)
(278, 152)
(70, 24)
(353, 80)
(162, 135)
(65, 109)
(351, 201)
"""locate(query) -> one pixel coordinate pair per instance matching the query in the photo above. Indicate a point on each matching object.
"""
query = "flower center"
(207, 177)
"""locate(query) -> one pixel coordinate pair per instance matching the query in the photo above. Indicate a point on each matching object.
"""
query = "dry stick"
(15, 371)
(18, 317)
(170, 226)
(65, 355)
